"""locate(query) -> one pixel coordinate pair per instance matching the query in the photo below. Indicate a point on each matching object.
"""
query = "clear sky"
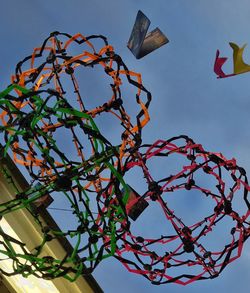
(187, 97)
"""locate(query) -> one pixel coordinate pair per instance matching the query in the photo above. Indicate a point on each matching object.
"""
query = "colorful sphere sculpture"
(51, 127)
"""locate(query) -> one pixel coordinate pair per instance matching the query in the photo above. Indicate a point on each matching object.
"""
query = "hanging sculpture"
(53, 131)
(37, 115)
(184, 250)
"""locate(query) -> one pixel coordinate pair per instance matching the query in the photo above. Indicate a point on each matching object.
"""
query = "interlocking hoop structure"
(61, 57)
(53, 132)
(186, 249)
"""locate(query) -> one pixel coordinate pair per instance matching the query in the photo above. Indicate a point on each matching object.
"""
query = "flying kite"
(140, 43)
(239, 65)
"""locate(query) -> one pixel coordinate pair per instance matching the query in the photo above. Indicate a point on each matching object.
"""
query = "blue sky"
(187, 97)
